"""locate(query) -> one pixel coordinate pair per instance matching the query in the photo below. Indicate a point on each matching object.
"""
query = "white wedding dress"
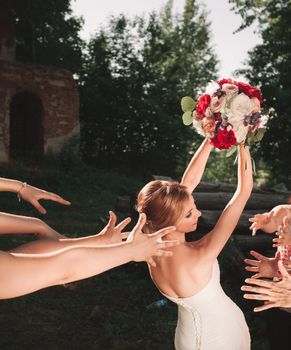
(210, 320)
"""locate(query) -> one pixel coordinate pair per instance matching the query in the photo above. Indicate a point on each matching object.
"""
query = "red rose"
(217, 117)
(226, 81)
(224, 139)
(250, 91)
(202, 105)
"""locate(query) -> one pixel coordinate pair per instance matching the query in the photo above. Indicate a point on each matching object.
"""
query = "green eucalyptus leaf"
(230, 152)
(256, 136)
(260, 134)
(188, 104)
(250, 138)
(187, 118)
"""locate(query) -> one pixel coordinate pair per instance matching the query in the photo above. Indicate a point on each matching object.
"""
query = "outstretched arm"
(23, 273)
(111, 234)
(29, 193)
(196, 167)
(16, 224)
(269, 222)
(214, 241)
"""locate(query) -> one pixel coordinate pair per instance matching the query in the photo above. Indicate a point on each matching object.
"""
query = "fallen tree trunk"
(217, 201)
(259, 243)
(210, 217)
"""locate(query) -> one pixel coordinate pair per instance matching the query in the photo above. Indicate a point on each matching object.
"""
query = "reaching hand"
(263, 266)
(262, 222)
(147, 246)
(113, 234)
(33, 195)
(284, 234)
(274, 294)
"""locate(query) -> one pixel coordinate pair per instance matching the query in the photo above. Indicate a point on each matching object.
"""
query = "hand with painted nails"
(149, 245)
(262, 266)
(273, 294)
(284, 234)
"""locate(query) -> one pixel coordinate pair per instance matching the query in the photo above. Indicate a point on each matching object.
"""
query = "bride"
(207, 318)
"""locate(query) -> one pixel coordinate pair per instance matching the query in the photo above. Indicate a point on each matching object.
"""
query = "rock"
(281, 187)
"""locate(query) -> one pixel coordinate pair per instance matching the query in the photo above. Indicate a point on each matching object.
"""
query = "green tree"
(151, 63)
(268, 65)
(47, 33)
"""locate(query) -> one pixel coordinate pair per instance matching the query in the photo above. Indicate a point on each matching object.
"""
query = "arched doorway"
(26, 125)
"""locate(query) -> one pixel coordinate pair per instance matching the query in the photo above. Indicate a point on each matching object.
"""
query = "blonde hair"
(162, 202)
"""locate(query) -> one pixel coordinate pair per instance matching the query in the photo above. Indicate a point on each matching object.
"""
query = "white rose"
(241, 133)
(241, 105)
(211, 88)
(198, 126)
(217, 104)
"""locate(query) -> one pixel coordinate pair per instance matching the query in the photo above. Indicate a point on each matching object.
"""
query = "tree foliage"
(135, 75)
(47, 33)
(269, 66)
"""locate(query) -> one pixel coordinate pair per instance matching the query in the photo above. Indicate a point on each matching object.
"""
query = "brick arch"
(26, 125)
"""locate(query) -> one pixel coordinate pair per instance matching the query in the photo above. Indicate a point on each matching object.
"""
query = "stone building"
(39, 105)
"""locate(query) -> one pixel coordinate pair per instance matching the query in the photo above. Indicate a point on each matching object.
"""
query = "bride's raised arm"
(196, 167)
(214, 241)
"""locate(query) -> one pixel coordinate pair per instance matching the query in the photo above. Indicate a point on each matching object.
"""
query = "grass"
(105, 312)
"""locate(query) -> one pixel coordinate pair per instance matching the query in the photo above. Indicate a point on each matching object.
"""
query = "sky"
(231, 49)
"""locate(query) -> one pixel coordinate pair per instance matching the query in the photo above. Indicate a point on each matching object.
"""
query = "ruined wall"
(59, 96)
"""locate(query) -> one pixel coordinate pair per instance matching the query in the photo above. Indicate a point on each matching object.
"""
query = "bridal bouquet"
(228, 113)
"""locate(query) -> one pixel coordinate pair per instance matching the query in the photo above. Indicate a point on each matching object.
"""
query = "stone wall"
(58, 94)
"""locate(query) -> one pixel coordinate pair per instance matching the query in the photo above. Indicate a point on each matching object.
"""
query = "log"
(210, 217)
(260, 242)
(230, 187)
(217, 201)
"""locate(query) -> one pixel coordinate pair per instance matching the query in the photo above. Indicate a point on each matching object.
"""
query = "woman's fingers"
(124, 235)
(112, 220)
(252, 269)
(164, 231)
(53, 197)
(140, 223)
(38, 206)
(259, 290)
(252, 262)
(254, 231)
(262, 297)
(266, 306)
(152, 263)
(260, 283)
(285, 221)
(164, 253)
(257, 255)
(168, 244)
(123, 224)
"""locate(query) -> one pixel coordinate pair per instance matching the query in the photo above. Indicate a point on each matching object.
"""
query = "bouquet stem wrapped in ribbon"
(228, 113)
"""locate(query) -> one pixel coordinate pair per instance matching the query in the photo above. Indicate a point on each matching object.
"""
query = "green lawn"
(105, 312)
